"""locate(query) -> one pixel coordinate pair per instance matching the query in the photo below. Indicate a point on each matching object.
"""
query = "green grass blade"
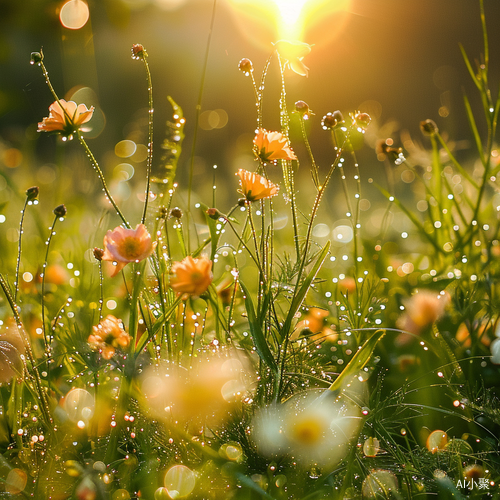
(469, 67)
(258, 337)
(299, 296)
(473, 126)
(412, 217)
(358, 361)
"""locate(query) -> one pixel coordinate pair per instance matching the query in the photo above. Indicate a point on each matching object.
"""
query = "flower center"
(307, 431)
(130, 248)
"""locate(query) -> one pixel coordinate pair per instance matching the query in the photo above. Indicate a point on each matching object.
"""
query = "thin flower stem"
(245, 246)
(357, 224)
(149, 164)
(52, 91)
(44, 269)
(197, 119)
(33, 373)
(16, 282)
(287, 166)
(257, 99)
(314, 212)
(254, 237)
(314, 170)
(260, 90)
(101, 290)
(98, 170)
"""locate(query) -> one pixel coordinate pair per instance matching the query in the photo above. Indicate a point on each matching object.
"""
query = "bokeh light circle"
(179, 481)
(74, 14)
(79, 404)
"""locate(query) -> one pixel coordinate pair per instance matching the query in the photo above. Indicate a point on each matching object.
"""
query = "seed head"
(176, 212)
(36, 58)
(429, 127)
(32, 193)
(60, 211)
(332, 120)
(245, 66)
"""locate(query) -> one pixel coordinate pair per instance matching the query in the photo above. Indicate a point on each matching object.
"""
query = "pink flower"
(66, 118)
(127, 245)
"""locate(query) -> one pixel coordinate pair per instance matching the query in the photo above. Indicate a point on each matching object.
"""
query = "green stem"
(121, 408)
(314, 170)
(16, 282)
(98, 170)
(33, 373)
(150, 137)
(197, 119)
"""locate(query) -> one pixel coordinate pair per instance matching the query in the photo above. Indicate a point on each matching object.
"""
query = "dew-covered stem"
(98, 170)
(149, 163)
(19, 248)
(197, 120)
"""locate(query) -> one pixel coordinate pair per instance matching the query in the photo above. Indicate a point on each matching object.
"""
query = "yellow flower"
(255, 187)
(108, 335)
(272, 146)
(127, 245)
(293, 53)
(66, 118)
(191, 276)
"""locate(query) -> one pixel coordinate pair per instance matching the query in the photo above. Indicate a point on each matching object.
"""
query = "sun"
(264, 21)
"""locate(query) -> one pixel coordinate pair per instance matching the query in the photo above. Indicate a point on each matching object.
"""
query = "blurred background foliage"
(399, 61)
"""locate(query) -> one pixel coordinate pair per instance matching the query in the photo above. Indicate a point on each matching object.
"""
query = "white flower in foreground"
(314, 428)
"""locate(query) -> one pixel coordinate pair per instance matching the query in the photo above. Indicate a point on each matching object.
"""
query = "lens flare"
(264, 22)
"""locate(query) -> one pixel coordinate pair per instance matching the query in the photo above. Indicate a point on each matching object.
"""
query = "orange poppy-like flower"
(272, 146)
(127, 245)
(66, 118)
(255, 187)
(108, 335)
(191, 276)
(293, 53)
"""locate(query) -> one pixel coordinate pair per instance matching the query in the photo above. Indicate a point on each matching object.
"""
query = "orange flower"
(108, 335)
(421, 311)
(293, 53)
(272, 146)
(191, 276)
(66, 118)
(11, 350)
(127, 245)
(255, 187)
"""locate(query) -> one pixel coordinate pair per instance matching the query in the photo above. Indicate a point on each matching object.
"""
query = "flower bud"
(429, 127)
(213, 213)
(32, 193)
(176, 212)
(242, 202)
(162, 213)
(98, 253)
(246, 66)
(60, 211)
(361, 121)
(302, 108)
(332, 120)
(385, 149)
(138, 51)
(36, 58)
